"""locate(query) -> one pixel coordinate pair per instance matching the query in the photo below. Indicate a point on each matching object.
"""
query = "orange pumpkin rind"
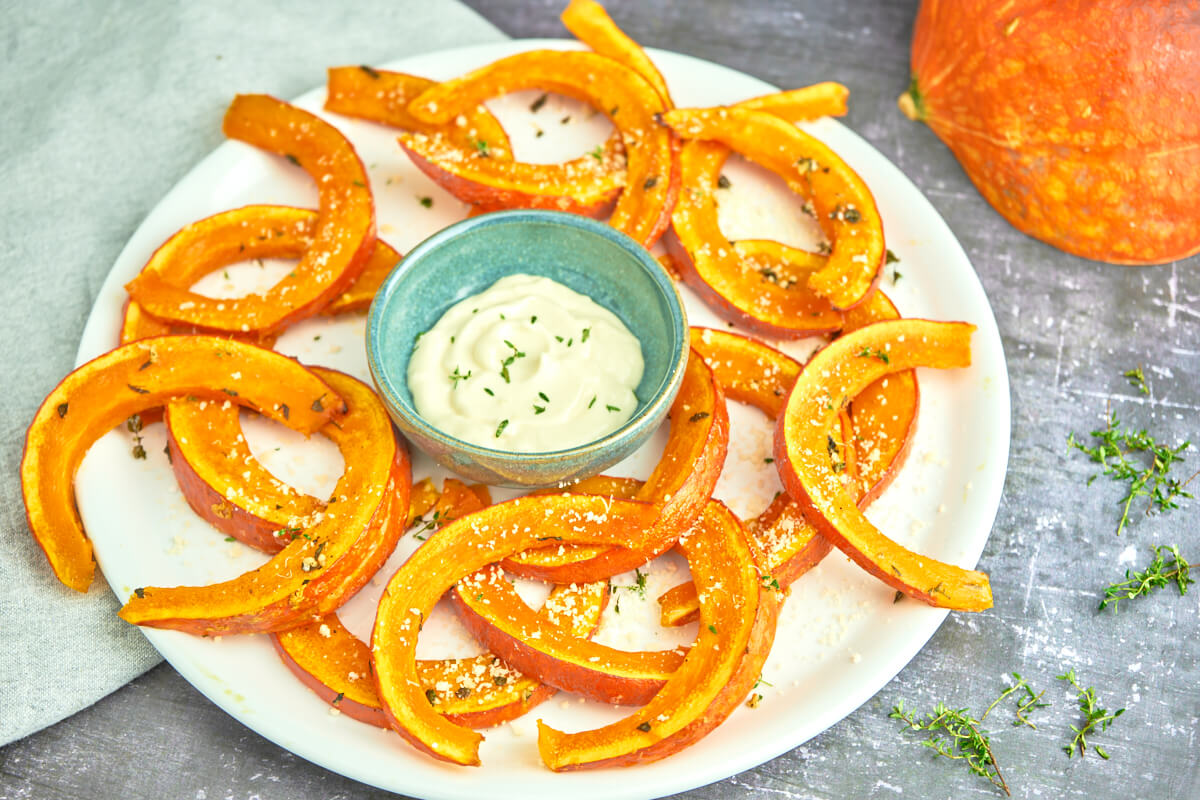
(805, 453)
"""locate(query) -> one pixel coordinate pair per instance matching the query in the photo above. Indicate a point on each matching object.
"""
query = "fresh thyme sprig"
(1137, 379)
(1025, 706)
(964, 740)
(1157, 575)
(1095, 718)
(1114, 451)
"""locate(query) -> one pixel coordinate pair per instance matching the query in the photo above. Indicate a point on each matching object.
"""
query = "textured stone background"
(1070, 328)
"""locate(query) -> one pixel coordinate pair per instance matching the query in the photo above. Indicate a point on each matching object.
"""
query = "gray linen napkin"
(104, 107)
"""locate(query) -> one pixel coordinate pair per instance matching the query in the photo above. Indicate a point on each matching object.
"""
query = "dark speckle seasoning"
(698, 416)
(138, 389)
(284, 410)
(317, 405)
(650, 183)
(374, 74)
(644, 727)
(62, 409)
(293, 159)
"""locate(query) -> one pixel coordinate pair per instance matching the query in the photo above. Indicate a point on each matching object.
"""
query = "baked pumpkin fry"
(612, 88)
(478, 692)
(383, 96)
(737, 628)
(320, 569)
(681, 483)
(804, 457)
(547, 648)
(841, 201)
(109, 389)
(591, 24)
(243, 234)
(225, 484)
(342, 242)
(464, 546)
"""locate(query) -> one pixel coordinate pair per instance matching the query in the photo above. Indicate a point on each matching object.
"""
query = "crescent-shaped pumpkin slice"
(461, 548)
(479, 692)
(805, 459)
(129, 380)
(737, 628)
(681, 483)
(342, 243)
(651, 176)
(842, 203)
(324, 565)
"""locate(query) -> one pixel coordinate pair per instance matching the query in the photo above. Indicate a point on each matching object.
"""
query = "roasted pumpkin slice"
(591, 24)
(806, 459)
(841, 201)
(785, 545)
(108, 390)
(225, 484)
(465, 546)
(827, 99)
(680, 485)
(383, 96)
(342, 243)
(242, 234)
(320, 569)
(737, 627)
(478, 692)
(612, 88)
(545, 645)
(884, 414)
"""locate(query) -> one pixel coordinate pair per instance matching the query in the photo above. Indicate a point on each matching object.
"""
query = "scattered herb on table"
(1123, 453)
(1095, 718)
(1137, 379)
(1157, 575)
(955, 734)
(1026, 705)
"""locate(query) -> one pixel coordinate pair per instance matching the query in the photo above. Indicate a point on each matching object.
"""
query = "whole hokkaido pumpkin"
(1078, 120)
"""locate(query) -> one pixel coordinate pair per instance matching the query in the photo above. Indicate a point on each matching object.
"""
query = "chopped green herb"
(597, 153)
(230, 539)
(1137, 379)
(889, 257)
(712, 628)
(1095, 718)
(593, 401)
(967, 742)
(536, 105)
(1113, 453)
(539, 410)
(612, 408)
(1157, 575)
(457, 376)
(500, 428)
(543, 396)
(426, 201)
(482, 147)
(872, 352)
(533, 319)
(586, 333)
(489, 391)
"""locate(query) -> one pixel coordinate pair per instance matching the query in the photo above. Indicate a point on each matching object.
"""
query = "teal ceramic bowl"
(581, 253)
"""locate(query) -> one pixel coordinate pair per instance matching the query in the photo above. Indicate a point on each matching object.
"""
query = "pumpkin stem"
(911, 102)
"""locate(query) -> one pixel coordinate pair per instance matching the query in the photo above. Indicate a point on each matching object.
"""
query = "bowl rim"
(653, 409)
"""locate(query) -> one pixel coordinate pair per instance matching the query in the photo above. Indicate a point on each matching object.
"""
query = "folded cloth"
(106, 106)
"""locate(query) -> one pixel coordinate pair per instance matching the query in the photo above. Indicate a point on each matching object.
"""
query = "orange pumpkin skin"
(1078, 121)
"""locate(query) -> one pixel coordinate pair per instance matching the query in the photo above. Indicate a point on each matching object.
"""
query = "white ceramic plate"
(840, 639)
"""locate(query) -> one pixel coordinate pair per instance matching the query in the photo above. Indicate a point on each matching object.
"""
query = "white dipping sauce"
(526, 366)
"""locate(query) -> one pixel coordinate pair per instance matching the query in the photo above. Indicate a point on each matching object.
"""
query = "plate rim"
(104, 317)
